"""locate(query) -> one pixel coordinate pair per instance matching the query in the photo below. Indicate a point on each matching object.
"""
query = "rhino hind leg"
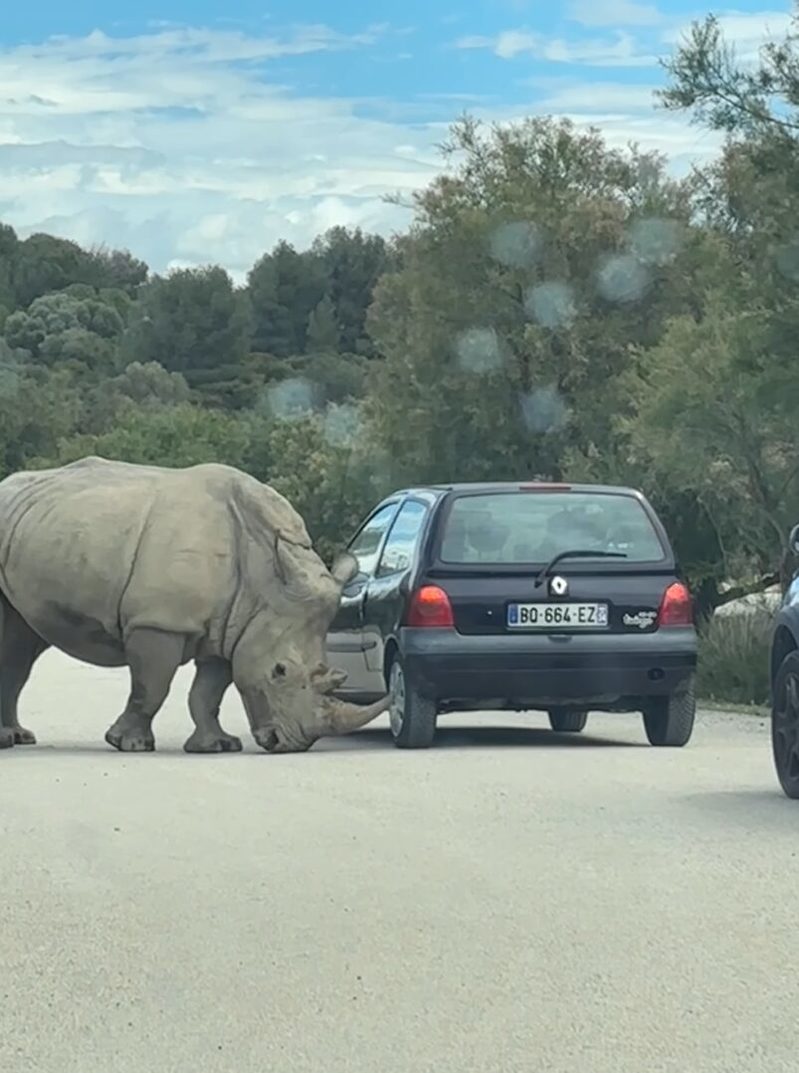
(205, 698)
(153, 658)
(20, 647)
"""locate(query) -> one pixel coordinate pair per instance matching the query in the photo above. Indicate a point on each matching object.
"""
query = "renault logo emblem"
(558, 586)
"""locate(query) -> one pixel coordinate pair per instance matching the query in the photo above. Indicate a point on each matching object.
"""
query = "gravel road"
(509, 900)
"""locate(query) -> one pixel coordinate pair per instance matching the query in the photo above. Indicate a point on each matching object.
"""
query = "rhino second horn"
(327, 680)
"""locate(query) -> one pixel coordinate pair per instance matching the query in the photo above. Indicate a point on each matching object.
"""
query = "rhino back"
(92, 550)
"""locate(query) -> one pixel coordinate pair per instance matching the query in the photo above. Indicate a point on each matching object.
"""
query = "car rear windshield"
(504, 528)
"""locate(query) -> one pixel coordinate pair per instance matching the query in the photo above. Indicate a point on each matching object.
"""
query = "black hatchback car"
(540, 596)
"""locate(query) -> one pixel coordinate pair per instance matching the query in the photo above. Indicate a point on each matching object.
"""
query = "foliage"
(725, 92)
(177, 435)
(734, 658)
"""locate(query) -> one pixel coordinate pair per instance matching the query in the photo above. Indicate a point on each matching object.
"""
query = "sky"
(203, 131)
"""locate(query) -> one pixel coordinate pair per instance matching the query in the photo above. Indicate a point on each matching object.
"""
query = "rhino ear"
(344, 568)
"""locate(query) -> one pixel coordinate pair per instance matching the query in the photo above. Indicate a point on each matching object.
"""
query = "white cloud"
(620, 51)
(590, 98)
(615, 13)
(182, 145)
(173, 144)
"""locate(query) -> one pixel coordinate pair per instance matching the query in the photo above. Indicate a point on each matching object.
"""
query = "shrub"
(734, 658)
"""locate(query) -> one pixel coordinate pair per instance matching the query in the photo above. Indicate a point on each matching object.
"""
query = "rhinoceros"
(119, 564)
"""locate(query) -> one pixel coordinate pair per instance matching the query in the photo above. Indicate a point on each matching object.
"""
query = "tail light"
(676, 607)
(430, 607)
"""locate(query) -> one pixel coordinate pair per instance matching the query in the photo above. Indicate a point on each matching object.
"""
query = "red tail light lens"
(430, 607)
(676, 607)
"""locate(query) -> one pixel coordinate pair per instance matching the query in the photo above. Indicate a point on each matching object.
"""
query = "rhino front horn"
(342, 717)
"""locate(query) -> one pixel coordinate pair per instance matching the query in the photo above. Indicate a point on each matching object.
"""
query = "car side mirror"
(793, 540)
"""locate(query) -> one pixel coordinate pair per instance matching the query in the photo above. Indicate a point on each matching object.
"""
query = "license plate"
(565, 616)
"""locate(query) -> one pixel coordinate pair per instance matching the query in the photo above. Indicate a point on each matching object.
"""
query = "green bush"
(734, 658)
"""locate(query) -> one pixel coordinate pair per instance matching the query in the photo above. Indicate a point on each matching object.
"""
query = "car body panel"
(549, 670)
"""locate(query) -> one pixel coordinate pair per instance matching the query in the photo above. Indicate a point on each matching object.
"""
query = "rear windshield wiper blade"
(577, 554)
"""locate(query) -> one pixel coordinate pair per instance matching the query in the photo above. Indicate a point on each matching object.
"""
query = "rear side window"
(366, 545)
(504, 528)
(401, 542)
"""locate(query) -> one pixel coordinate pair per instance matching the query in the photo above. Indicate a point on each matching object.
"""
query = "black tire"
(670, 721)
(785, 724)
(567, 720)
(413, 717)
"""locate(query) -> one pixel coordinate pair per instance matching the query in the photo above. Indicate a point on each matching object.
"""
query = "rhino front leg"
(205, 698)
(20, 647)
(153, 657)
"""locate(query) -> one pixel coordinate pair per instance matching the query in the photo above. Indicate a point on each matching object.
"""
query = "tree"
(76, 326)
(716, 417)
(181, 435)
(37, 408)
(8, 251)
(193, 322)
(117, 269)
(284, 287)
(323, 333)
(43, 263)
(323, 466)
(742, 99)
(529, 274)
(353, 262)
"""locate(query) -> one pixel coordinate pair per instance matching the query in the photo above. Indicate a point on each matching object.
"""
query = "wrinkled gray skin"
(118, 564)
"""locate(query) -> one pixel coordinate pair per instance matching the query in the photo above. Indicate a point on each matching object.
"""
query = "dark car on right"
(785, 685)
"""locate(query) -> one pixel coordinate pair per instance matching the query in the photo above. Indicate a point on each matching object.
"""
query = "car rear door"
(387, 589)
(346, 644)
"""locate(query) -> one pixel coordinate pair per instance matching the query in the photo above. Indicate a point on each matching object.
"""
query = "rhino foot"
(6, 738)
(213, 743)
(131, 741)
(23, 736)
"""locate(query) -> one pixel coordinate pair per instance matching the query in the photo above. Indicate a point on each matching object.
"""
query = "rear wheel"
(567, 720)
(413, 718)
(669, 721)
(785, 725)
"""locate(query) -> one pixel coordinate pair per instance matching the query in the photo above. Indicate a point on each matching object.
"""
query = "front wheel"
(785, 725)
(567, 720)
(669, 721)
(413, 718)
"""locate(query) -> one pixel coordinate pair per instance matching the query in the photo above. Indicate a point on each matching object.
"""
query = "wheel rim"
(786, 729)
(397, 709)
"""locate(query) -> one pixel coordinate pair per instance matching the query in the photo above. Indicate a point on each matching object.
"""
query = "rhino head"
(291, 702)
(299, 708)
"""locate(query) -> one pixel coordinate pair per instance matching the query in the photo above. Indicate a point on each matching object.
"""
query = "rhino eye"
(279, 670)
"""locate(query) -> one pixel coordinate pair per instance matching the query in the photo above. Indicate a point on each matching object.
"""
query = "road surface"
(510, 900)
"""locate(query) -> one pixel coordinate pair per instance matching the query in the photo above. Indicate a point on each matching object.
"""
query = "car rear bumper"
(542, 671)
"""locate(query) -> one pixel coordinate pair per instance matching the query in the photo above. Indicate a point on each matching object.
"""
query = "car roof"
(509, 486)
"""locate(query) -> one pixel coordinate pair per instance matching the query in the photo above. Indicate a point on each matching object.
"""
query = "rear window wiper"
(577, 554)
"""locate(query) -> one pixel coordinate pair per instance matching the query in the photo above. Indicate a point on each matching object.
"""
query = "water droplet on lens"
(543, 410)
(516, 244)
(478, 350)
(291, 398)
(551, 304)
(623, 278)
